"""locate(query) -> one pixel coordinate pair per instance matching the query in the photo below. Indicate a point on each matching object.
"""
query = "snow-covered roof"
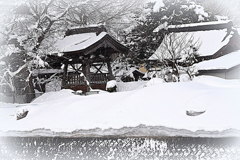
(87, 40)
(225, 62)
(90, 25)
(78, 42)
(200, 24)
(191, 27)
(210, 42)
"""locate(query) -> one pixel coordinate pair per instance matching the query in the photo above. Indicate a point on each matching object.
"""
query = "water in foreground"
(112, 148)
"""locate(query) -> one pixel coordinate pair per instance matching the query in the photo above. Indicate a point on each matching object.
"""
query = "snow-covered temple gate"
(87, 56)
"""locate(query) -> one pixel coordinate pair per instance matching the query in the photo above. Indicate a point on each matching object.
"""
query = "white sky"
(231, 5)
(6, 5)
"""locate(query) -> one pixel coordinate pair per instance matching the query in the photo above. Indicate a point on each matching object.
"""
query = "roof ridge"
(203, 26)
(87, 29)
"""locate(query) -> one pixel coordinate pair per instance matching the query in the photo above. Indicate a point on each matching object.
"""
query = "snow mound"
(54, 96)
(154, 81)
(130, 86)
(218, 82)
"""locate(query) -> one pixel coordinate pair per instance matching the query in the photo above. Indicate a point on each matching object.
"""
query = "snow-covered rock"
(21, 114)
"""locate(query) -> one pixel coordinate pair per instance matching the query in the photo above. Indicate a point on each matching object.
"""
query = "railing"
(96, 78)
(75, 79)
(99, 78)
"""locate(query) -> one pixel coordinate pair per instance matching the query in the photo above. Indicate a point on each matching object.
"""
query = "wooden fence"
(96, 78)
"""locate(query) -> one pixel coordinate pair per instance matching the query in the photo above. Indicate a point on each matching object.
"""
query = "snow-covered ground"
(152, 109)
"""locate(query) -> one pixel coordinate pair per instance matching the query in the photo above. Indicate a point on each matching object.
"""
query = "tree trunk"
(14, 97)
(30, 90)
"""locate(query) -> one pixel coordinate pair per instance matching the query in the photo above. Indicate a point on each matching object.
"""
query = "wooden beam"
(77, 69)
(96, 66)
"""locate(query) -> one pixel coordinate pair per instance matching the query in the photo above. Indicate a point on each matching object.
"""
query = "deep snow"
(153, 105)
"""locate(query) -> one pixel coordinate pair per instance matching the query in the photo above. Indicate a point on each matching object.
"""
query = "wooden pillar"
(64, 80)
(86, 72)
(111, 77)
(84, 68)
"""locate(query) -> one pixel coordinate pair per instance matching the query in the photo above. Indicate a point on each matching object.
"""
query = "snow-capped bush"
(184, 78)
(54, 85)
(111, 86)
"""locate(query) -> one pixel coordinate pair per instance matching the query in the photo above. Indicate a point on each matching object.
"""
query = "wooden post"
(86, 72)
(111, 77)
(64, 80)
(88, 76)
(84, 68)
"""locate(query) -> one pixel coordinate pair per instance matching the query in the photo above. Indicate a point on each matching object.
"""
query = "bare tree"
(177, 53)
(115, 14)
(31, 30)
